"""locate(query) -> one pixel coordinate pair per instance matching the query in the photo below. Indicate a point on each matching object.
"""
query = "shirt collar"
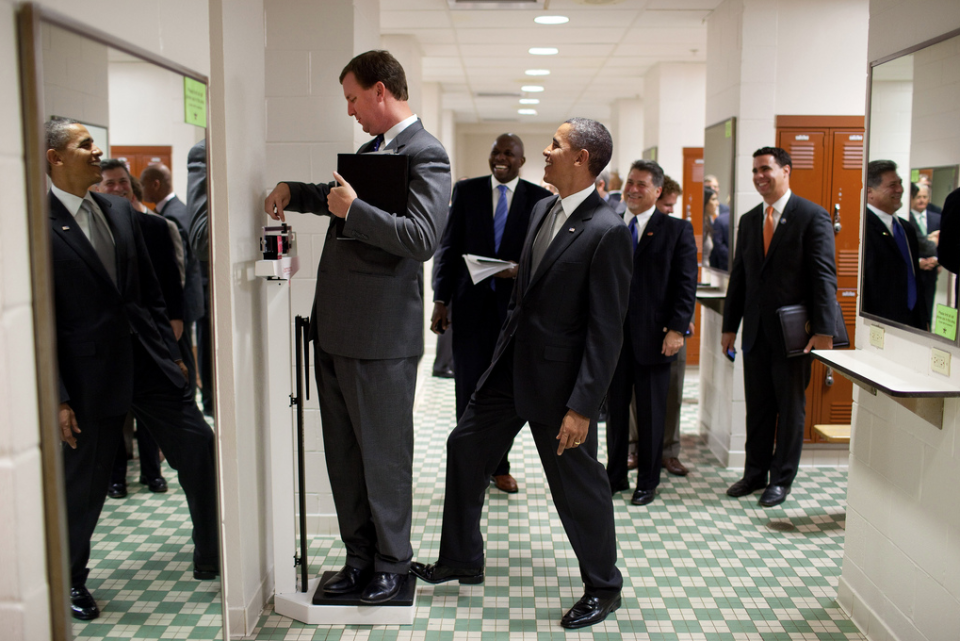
(642, 217)
(781, 203)
(169, 197)
(395, 130)
(511, 186)
(885, 218)
(71, 202)
(571, 202)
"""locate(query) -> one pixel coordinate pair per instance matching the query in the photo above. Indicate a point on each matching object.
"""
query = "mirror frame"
(704, 267)
(863, 194)
(29, 19)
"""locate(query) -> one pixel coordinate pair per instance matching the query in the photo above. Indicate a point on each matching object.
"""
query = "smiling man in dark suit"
(116, 352)
(662, 299)
(784, 256)
(551, 367)
(483, 226)
(367, 327)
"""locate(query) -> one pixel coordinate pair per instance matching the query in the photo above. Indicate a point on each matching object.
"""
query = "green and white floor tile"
(697, 565)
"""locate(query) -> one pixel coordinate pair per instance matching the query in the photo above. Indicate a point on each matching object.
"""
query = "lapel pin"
(66, 228)
(572, 229)
(649, 233)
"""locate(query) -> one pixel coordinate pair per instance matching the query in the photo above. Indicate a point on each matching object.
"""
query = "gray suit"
(367, 328)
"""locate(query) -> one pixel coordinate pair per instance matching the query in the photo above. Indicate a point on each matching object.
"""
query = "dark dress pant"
(577, 482)
(671, 425)
(172, 418)
(651, 383)
(149, 456)
(775, 393)
(366, 409)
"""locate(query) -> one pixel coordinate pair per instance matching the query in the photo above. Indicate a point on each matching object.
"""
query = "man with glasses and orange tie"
(784, 256)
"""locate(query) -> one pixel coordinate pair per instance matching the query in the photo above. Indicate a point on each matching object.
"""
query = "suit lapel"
(118, 227)
(783, 228)
(65, 226)
(536, 219)
(649, 232)
(571, 229)
(513, 216)
(403, 138)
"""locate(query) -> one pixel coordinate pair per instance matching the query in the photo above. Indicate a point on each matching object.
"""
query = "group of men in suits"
(116, 353)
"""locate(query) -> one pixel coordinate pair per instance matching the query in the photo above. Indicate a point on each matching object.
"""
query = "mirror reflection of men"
(926, 225)
(784, 256)
(367, 327)
(484, 226)
(116, 352)
(662, 300)
(891, 288)
(551, 368)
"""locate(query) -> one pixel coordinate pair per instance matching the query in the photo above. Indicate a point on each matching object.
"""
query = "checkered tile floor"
(697, 565)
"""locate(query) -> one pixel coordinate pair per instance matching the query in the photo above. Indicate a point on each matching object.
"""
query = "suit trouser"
(577, 481)
(149, 456)
(176, 424)
(650, 383)
(472, 356)
(367, 411)
(671, 426)
(775, 393)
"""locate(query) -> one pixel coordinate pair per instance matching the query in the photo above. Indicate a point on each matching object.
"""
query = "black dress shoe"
(744, 487)
(439, 573)
(589, 610)
(383, 587)
(774, 495)
(348, 579)
(205, 571)
(158, 485)
(82, 605)
(117, 490)
(620, 486)
(643, 497)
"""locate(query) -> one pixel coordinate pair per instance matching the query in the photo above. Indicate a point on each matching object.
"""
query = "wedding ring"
(576, 442)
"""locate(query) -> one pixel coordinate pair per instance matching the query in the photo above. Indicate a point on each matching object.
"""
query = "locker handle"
(828, 379)
(836, 219)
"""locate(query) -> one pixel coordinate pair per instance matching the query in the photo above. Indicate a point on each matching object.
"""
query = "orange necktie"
(768, 227)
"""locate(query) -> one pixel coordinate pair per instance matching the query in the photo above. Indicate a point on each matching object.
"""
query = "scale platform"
(313, 607)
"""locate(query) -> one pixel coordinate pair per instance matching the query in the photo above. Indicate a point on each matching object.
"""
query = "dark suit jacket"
(566, 319)
(156, 236)
(927, 247)
(470, 231)
(176, 211)
(95, 318)
(369, 297)
(948, 250)
(197, 201)
(663, 290)
(884, 287)
(798, 268)
(720, 254)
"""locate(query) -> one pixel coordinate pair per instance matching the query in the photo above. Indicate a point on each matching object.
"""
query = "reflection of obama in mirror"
(891, 288)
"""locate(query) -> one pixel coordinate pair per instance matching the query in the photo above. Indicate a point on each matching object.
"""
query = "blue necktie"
(500, 217)
(901, 240)
(377, 142)
(633, 233)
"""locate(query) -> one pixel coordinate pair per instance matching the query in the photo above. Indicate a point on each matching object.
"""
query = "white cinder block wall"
(675, 102)
(762, 62)
(901, 566)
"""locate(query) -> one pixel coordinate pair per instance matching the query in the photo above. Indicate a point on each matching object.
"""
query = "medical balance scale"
(296, 594)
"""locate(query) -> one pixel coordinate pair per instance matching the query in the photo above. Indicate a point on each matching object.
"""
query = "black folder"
(796, 328)
(380, 180)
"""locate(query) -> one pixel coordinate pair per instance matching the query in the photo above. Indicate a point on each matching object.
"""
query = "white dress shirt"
(511, 189)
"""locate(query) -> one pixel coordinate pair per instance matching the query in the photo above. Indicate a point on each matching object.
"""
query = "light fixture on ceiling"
(551, 19)
(544, 51)
(538, 72)
(531, 88)
(529, 101)
(527, 112)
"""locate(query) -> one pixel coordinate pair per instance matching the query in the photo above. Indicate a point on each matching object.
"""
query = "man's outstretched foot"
(82, 605)
(744, 487)
(348, 579)
(589, 610)
(506, 483)
(439, 573)
(774, 495)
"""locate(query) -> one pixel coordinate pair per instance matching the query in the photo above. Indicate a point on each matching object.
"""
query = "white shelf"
(874, 372)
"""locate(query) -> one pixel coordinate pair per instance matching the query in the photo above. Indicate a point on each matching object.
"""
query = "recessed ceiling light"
(531, 88)
(527, 112)
(544, 51)
(551, 19)
(529, 101)
(538, 72)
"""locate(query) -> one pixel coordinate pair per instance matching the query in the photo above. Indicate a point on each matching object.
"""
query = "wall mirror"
(914, 121)
(719, 161)
(133, 103)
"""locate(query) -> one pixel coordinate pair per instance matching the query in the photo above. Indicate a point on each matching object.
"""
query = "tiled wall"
(627, 129)
(675, 93)
(890, 113)
(935, 135)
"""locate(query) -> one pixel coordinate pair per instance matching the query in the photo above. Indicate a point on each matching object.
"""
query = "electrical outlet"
(940, 361)
(876, 336)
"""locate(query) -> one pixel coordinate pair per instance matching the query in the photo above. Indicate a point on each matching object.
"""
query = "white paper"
(483, 267)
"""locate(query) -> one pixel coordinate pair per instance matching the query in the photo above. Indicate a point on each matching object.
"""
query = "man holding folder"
(367, 327)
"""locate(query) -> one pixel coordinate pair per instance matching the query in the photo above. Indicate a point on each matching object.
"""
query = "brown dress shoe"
(675, 467)
(632, 461)
(506, 483)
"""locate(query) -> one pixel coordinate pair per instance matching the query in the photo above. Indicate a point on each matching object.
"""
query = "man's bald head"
(506, 157)
(157, 182)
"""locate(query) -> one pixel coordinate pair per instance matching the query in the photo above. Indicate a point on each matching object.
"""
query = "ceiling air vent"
(498, 94)
(495, 4)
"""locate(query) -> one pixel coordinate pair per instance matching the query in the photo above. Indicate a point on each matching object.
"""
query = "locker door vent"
(853, 155)
(847, 262)
(802, 154)
(841, 413)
